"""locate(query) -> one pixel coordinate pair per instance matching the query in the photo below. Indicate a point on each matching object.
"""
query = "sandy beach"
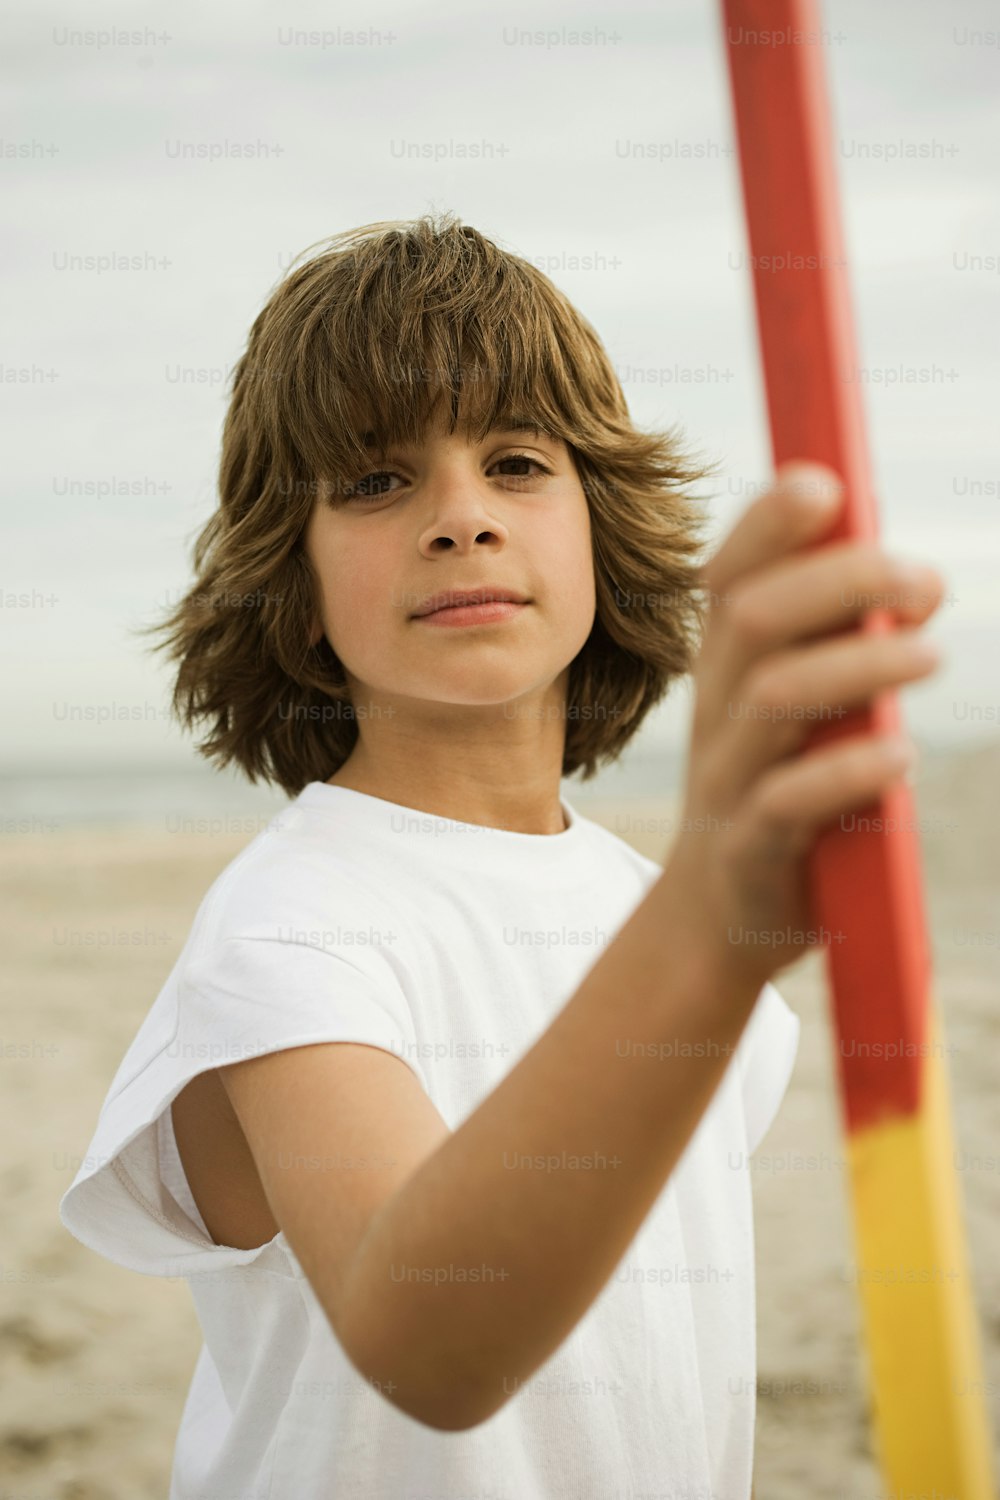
(96, 1360)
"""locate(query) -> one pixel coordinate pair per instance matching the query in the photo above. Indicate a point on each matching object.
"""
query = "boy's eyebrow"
(514, 424)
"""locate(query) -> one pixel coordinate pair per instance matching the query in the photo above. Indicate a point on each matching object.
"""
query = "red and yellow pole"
(931, 1428)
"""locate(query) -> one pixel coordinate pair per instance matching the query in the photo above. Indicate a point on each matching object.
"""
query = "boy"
(438, 1107)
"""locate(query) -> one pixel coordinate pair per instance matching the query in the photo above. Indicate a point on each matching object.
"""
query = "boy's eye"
(363, 490)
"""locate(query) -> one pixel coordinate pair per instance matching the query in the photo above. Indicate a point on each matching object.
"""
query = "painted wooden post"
(932, 1436)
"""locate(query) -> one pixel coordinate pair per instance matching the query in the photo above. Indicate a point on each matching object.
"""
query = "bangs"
(387, 332)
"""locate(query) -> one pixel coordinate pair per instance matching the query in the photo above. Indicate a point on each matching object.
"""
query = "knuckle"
(788, 733)
(857, 763)
(864, 574)
(864, 557)
(772, 808)
(867, 564)
(750, 616)
(766, 686)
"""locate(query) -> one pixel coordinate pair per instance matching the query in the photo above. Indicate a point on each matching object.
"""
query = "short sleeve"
(240, 997)
(766, 1055)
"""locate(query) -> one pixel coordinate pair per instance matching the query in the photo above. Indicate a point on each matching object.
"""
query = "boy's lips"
(490, 612)
(456, 598)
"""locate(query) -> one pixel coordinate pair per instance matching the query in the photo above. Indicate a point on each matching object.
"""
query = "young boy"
(439, 1107)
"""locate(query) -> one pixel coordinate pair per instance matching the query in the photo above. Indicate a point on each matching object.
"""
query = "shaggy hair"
(359, 344)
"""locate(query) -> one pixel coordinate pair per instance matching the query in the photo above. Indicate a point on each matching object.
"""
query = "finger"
(787, 697)
(800, 506)
(831, 588)
(911, 602)
(799, 598)
(792, 803)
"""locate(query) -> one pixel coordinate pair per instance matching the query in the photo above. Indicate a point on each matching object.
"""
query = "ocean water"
(195, 798)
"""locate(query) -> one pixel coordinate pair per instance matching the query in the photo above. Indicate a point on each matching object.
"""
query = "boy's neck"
(485, 807)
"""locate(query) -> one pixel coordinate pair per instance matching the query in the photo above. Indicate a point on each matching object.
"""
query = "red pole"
(866, 883)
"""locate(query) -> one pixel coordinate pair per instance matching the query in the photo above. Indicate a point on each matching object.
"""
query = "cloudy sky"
(607, 161)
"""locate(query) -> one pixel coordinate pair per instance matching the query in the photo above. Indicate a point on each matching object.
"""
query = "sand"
(96, 1360)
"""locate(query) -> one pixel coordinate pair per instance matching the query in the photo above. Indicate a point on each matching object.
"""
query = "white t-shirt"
(455, 946)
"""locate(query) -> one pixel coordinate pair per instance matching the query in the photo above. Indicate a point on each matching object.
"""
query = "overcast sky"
(609, 163)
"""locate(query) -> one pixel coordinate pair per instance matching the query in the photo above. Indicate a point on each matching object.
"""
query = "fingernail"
(928, 651)
(815, 486)
(901, 750)
(913, 571)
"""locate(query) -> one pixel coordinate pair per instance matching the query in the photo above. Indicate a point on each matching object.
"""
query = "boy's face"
(451, 514)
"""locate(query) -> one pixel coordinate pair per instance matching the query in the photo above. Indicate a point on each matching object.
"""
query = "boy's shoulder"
(291, 871)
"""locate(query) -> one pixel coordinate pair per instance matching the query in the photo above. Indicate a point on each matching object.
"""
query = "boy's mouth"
(488, 613)
(461, 598)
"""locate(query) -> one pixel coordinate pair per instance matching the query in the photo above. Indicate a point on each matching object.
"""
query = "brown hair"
(364, 339)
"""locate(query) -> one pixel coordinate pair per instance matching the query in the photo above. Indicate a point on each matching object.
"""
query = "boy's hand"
(770, 669)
